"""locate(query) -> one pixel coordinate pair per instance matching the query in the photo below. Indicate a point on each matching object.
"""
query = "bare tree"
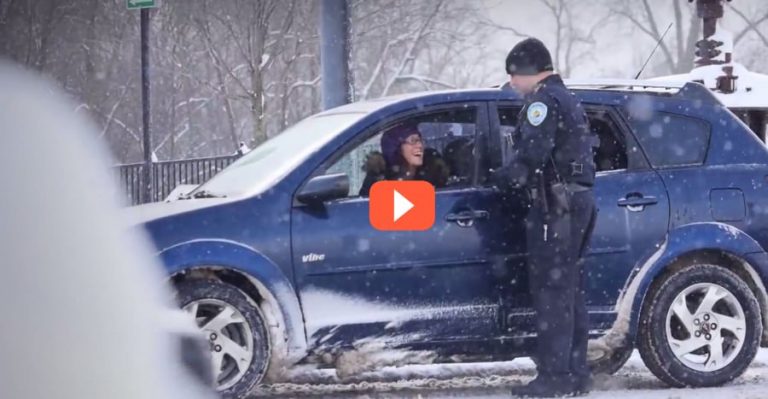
(232, 70)
(256, 29)
(752, 25)
(647, 16)
(574, 40)
(227, 71)
(416, 45)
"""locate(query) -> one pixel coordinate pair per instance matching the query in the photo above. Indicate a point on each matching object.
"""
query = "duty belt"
(577, 188)
(577, 169)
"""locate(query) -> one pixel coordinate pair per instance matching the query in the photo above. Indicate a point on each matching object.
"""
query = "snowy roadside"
(492, 380)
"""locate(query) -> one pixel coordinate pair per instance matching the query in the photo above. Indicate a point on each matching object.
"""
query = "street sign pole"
(147, 139)
(146, 175)
(140, 4)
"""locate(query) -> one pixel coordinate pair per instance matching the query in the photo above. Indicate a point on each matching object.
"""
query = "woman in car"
(403, 157)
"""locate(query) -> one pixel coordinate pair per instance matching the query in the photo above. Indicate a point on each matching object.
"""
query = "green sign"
(139, 4)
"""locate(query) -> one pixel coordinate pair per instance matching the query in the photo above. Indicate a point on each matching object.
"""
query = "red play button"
(402, 205)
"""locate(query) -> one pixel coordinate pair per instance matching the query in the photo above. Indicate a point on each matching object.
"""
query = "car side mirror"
(324, 188)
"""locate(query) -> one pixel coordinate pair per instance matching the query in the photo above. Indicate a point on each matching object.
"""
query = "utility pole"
(334, 53)
(147, 138)
(146, 174)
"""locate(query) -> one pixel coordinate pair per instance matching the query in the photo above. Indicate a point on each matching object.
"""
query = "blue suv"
(276, 259)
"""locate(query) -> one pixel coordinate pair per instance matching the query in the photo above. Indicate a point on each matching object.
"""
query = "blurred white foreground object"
(88, 313)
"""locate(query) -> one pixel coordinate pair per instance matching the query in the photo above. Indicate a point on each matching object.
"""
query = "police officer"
(553, 159)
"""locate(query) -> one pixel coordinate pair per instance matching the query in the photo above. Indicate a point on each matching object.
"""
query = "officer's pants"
(557, 284)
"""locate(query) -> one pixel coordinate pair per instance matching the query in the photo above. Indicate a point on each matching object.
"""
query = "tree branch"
(300, 84)
(657, 35)
(409, 53)
(678, 29)
(111, 114)
(652, 32)
(751, 26)
(491, 24)
(379, 66)
(424, 80)
(220, 63)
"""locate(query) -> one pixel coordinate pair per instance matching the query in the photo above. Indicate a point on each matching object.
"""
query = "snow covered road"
(492, 380)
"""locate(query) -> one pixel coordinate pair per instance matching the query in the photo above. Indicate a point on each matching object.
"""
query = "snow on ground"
(493, 380)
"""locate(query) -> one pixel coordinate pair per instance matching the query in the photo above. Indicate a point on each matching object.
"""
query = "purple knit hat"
(393, 138)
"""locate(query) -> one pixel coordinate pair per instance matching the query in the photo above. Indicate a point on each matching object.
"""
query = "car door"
(355, 281)
(633, 212)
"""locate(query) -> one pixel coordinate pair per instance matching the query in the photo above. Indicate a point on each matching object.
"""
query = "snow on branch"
(409, 54)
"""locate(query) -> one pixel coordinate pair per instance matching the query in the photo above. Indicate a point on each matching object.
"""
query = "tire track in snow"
(493, 380)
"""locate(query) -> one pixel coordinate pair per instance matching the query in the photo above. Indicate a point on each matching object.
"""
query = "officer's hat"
(529, 57)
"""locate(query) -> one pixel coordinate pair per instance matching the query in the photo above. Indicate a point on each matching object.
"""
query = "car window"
(355, 162)
(507, 123)
(448, 151)
(672, 140)
(610, 155)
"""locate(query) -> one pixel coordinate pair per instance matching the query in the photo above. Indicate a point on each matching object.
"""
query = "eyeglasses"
(414, 140)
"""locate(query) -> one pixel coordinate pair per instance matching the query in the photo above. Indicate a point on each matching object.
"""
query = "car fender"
(678, 242)
(271, 282)
(692, 238)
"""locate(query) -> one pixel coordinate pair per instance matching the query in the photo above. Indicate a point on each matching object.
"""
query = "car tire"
(690, 313)
(235, 329)
(609, 365)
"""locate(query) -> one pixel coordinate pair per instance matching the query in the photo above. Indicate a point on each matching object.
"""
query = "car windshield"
(276, 157)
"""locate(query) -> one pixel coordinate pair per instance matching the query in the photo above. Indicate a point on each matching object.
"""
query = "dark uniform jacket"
(552, 141)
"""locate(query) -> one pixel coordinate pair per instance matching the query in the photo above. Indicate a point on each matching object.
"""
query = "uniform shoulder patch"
(537, 112)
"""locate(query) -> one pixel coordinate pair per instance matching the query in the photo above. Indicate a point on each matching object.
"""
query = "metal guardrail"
(167, 175)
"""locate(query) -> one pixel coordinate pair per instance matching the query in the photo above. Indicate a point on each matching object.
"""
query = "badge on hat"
(537, 112)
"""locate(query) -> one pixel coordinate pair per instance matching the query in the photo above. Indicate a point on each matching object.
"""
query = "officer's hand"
(511, 176)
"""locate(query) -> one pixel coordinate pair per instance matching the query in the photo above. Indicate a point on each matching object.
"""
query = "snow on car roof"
(626, 84)
(751, 88)
(373, 104)
(634, 85)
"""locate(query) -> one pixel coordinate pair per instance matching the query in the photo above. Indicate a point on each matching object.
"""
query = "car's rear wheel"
(700, 327)
(236, 332)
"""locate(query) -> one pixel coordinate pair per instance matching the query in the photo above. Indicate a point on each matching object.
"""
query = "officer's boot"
(551, 387)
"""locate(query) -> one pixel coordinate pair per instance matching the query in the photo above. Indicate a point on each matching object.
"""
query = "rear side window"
(612, 152)
(672, 140)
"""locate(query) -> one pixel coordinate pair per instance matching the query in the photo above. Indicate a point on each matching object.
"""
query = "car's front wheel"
(235, 330)
(700, 327)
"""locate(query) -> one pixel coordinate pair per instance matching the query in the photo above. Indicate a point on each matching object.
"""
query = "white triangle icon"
(402, 205)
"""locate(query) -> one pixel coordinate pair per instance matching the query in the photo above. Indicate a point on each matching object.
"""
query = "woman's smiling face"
(413, 150)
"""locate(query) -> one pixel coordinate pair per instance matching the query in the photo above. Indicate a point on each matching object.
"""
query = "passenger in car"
(434, 170)
(375, 167)
(460, 161)
(403, 150)
(403, 157)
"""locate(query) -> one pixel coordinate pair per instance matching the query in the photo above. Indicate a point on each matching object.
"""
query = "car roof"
(426, 97)
(608, 91)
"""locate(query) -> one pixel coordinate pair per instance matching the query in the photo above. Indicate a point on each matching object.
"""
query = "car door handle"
(466, 218)
(637, 203)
